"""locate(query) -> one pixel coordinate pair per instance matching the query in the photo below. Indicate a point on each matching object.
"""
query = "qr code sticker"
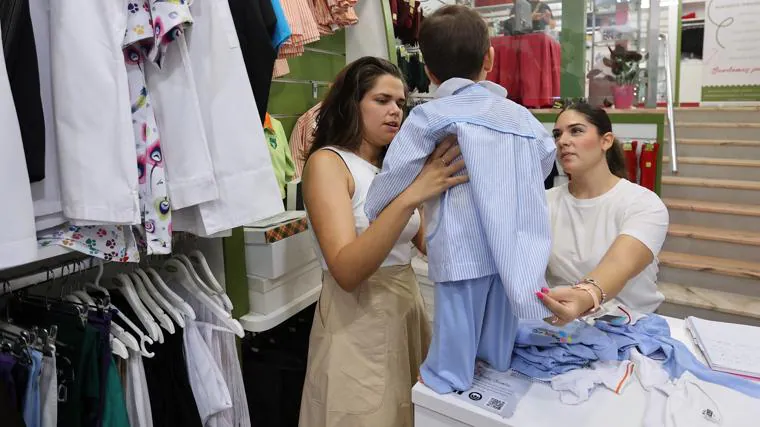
(495, 404)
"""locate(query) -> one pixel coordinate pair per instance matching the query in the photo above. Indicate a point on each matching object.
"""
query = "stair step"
(718, 125)
(715, 190)
(722, 274)
(715, 234)
(727, 129)
(717, 147)
(724, 302)
(716, 168)
(713, 161)
(728, 267)
(682, 301)
(713, 214)
(718, 142)
(708, 241)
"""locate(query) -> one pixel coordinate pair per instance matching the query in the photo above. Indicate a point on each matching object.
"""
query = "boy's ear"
(488, 61)
(432, 77)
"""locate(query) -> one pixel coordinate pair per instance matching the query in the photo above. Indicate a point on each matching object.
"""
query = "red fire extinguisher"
(648, 165)
(631, 165)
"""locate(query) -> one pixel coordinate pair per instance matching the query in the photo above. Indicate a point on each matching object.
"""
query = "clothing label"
(495, 391)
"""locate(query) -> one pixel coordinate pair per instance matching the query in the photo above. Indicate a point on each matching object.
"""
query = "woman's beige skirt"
(365, 351)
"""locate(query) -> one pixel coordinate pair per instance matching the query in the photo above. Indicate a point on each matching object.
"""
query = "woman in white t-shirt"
(606, 231)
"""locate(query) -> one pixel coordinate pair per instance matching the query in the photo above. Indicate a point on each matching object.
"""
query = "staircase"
(710, 263)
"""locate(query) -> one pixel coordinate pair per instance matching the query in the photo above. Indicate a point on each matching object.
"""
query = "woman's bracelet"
(592, 282)
(595, 299)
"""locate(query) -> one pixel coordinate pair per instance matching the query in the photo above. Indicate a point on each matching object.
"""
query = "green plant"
(624, 65)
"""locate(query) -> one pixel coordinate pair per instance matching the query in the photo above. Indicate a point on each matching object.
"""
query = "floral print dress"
(156, 229)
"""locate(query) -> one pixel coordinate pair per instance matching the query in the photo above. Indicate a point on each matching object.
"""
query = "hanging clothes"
(282, 30)
(171, 397)
(32, 395)
(256, 23)
(21, 63)
(48, 210)
(93, 121)
(172, 86)
(11, 416)
(247, 185)
(49, 392)
(302, 137)
(302, 25)
(277, 143)
(18, 241)
(155, 206)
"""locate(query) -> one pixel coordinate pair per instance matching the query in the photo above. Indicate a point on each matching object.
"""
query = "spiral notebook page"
(728, 347)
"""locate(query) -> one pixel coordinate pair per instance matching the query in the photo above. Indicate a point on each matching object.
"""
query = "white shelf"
(255, 322)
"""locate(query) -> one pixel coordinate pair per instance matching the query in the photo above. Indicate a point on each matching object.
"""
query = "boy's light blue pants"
(473, 319)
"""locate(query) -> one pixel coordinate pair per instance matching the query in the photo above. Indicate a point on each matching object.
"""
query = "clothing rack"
(315, 84)
(323, 51)
(47, 274)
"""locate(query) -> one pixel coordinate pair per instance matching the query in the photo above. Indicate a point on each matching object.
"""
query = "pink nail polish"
(540, 295)
(545, 290)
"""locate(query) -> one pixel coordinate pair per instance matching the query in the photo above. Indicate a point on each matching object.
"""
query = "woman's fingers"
(559, 309)
(442, 148)
(455, 167)
(451, 154)
(456, 180)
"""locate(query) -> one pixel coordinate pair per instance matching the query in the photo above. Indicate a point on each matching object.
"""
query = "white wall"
(367, 37)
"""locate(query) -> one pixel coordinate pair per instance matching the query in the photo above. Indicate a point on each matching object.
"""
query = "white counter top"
(541, 405)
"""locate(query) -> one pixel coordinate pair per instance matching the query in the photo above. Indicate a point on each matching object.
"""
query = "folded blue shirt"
(543, 351)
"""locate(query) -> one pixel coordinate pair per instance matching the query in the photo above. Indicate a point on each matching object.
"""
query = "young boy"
(488, 240)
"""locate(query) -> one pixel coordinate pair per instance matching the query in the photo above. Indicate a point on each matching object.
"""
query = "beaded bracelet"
(587, 288)
(594, 283)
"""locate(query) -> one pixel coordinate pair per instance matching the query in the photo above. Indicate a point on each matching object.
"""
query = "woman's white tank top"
(364, 173)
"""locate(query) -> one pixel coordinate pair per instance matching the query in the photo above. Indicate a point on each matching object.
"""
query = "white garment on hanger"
(92, 111)
(49, 392)
(209, 388)
(18, 240)
(248, 190)
(136, 394)
(183, 137)
(221, 342)
(46, 194)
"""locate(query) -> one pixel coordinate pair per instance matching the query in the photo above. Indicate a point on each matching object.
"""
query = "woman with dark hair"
(606, 231)
(370, 332)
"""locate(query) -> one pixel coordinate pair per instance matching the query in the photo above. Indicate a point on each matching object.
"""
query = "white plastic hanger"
(127, 339)
(144, 339)
(194, 275)
(72, 298)
(204, 271)
(85, 298)
(177, 271)
(118, 348)
(170, 310)
(169, 294)
(124, 285)
(96, 286)
(163, 319)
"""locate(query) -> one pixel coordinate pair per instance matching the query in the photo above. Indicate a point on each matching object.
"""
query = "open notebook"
(728, 347)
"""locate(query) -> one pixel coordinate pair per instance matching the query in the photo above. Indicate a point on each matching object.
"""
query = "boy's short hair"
(454, 41)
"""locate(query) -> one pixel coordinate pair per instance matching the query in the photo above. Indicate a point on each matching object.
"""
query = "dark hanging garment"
(23, 74)
(255, 23)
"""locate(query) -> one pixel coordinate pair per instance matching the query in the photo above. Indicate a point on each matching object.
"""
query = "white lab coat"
(93, 121)
(18, 240)
(46, 194)
(248, 189)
